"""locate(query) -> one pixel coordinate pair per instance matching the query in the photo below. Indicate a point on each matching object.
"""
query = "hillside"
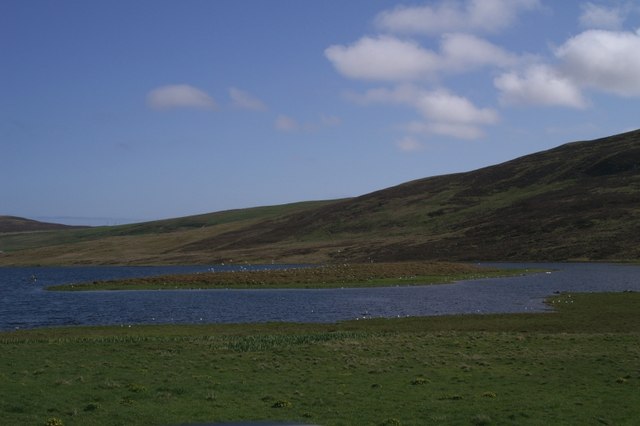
(579, 201)
(140, 243)
(19, 224)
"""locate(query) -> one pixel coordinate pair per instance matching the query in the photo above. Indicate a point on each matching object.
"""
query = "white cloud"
(286, 123)
(444, 17)
(604, 60)
(463, 52)
(539, 85)
(454, 130)
(409, 144)
(444, 113)
(441, 106)
(595, 16)
(179, 96)
(457, 130)
(607, 61)
(243, 100)
(450, 16)
(404, 94)
(388, 58)
(495, 15)
(382, 58)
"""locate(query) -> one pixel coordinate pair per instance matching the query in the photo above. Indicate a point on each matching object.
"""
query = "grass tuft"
(283, 403)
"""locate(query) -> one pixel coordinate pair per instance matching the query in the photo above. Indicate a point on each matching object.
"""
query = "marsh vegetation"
(323, 276)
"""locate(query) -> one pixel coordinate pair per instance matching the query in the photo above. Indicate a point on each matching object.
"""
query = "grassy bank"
(328, 276)
(579, 365)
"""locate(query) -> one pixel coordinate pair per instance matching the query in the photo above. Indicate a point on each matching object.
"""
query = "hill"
(20, 224)
(579, 201)
(155, 242)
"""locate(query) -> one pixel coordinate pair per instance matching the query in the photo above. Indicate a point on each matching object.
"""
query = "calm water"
(25, 304)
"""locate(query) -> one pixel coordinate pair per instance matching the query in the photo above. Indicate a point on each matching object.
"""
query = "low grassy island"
(327, 276)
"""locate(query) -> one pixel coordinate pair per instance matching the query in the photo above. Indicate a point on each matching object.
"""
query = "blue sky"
(120, 111)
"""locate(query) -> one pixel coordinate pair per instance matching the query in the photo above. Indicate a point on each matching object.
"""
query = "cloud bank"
(391, 57)
(608, 61)
(388, 58)
(598, 60)
(603, 58)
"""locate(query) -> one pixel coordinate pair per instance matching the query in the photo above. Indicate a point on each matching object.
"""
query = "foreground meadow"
(579, 365)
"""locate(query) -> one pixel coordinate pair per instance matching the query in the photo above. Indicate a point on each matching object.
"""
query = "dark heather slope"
(577, 201)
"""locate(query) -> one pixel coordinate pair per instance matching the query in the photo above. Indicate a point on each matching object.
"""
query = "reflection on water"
(26, 305)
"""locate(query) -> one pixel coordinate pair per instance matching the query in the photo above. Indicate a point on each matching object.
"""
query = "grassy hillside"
(579, 201)
(141, 243)
(19, 224)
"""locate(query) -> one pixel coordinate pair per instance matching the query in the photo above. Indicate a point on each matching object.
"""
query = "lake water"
(25, 303)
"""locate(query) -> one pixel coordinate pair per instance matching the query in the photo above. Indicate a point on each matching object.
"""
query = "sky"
(119, 111)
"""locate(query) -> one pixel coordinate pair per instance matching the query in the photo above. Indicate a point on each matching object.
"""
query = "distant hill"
(19, 224)
(150, 243)
(579, 201)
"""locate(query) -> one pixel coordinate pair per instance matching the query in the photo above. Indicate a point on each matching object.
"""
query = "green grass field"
(579, 365)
